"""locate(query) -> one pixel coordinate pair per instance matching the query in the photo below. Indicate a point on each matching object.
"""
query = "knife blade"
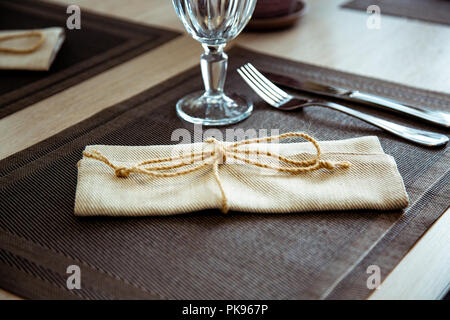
(440, 118)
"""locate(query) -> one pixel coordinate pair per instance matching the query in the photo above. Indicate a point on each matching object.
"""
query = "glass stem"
(214, 64)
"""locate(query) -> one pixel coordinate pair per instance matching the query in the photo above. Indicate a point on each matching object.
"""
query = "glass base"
(213, 110)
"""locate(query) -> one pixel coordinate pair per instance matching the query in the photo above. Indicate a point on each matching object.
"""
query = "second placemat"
(435, 11)
(101, 43)
(208, 255)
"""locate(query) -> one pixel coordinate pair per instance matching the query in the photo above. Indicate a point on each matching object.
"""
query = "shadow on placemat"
(207, 255)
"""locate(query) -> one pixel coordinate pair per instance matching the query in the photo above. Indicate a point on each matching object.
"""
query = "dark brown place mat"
(435, 11)
(102, 43)
(208, 255)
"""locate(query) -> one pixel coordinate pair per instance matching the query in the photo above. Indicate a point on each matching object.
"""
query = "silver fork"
(279, 99)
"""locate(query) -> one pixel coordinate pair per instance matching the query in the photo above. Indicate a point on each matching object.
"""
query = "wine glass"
(213, 23)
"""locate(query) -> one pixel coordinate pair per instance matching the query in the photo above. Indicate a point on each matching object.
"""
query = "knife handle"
(440, 118)
(422, 137)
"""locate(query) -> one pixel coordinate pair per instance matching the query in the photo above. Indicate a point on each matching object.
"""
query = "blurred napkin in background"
(40, 59)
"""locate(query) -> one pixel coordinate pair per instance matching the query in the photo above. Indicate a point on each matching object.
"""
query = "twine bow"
(219, 154)
(30, 34)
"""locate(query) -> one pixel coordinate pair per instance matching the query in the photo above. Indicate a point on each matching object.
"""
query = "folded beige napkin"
(371, 182)
(39, 58)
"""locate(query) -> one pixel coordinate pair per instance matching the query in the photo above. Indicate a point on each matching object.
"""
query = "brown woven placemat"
(208, 255)
(102, 43)
(435, 11)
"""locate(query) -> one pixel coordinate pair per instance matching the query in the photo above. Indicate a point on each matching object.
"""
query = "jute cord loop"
(30, 34)
(197, 160)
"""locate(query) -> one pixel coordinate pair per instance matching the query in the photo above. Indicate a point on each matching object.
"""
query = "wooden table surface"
(410, 52)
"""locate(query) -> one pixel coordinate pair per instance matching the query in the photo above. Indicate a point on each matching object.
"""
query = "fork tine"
(275, 97)
(256, 87)
(262, 84)
(267, 82)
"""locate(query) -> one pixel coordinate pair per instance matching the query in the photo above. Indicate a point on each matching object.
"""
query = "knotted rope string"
(220, 153)
(29, 34)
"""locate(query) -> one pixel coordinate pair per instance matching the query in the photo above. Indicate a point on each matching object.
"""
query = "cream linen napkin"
(39, 60)
(371, 182)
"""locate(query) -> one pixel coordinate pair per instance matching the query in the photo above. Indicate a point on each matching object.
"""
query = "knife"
(440, 118)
